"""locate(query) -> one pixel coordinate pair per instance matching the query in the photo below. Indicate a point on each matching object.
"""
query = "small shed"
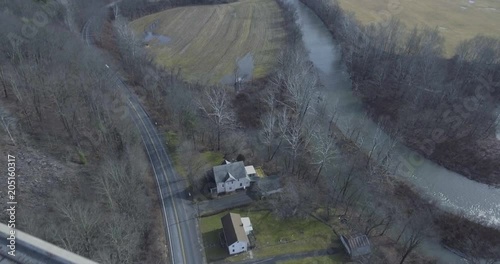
(247, 225)
(356, 244)
(269, 185)
(250, 170)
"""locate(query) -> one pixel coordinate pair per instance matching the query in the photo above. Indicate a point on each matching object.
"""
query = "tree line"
(133, 9)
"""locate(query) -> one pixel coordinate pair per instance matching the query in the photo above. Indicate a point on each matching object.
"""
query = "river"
(451, 191)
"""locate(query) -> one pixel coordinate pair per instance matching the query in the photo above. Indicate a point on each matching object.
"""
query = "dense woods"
(442, 108)
(60, 101)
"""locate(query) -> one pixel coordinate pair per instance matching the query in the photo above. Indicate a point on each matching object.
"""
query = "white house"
(231, 177)
(234, 233)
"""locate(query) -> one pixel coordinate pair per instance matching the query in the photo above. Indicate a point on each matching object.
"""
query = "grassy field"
(456, 19)
(208, 158)
(206, 41)
(213, 158)
(296, 235)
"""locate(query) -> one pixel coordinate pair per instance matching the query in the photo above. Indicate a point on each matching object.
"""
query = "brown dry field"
(457, 20)
(206, 41)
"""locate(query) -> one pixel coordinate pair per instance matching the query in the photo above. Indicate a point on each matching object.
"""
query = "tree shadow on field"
(213, 247)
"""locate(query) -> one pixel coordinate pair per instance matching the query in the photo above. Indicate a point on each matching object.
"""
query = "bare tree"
(133, 55)
(217, 109)
(295, 134)
(193, 163)
(269, 134)
(83, 220)
(234, 143)
(324, 149)
(122, 239)
(286, 203)
(269, 125)
(7, 121)
(110, 183)
(415, 233)
(296, 75)
(373, 222)
(329, 196)
(3, 81)
(297, 199)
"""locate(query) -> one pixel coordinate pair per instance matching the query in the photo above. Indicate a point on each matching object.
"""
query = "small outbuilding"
(250, 170)
(268, 186)
(247, 225)
(356, 245)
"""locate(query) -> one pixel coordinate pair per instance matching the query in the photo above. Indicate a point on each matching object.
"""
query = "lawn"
(205, 42)
(457, 20)
(274, 236)
(260, 172)
(207, 159)
(213, 158)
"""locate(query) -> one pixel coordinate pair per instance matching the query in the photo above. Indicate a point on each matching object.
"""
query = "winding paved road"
(179, 214)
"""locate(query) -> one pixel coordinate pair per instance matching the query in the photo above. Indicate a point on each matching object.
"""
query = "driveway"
(223, 203)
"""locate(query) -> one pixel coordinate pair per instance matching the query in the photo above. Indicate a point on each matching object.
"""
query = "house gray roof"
(233, 228)
(269, 185)
(234, 170)
(356, 245)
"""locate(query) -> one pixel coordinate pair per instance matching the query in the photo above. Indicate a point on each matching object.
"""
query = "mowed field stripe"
(206, 41)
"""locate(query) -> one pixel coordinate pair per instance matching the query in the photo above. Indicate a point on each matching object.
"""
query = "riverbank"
(455, 233)
(474, 158)
(469, 145)
(448, 192)
(463, 237)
